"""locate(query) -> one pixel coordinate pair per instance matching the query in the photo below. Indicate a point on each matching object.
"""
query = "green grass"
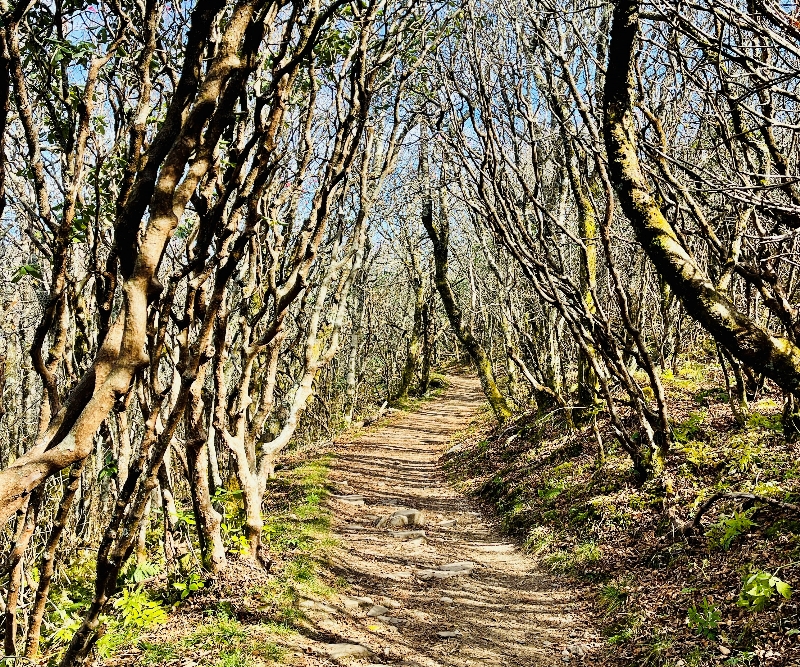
(300, 537)
(219, 631)
(656, 647)
(153, 654)
(583, 554)
(236, 644)
(271, 651)
(625, 631)
(235, 659)
(297, 531)
(613, 597)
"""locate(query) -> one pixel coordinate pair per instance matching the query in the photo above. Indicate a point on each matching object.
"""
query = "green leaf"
(31, 270)
(783, 588)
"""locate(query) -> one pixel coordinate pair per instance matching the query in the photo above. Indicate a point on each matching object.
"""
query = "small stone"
(577, 650)
(448, 634)
(408, 534)
(353, 499)
(413, 517)
(353, 603)
(446, 600)
(566, 655)
(392, 604)
(459, 566)
(397, 521)
(392, 620)
(377, 610)
(336, 651)
(724, 650)
(425, 575)
(446, 574)
(317, 606)
(446, 524)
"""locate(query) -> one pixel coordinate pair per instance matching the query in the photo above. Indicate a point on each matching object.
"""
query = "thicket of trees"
(230, 226)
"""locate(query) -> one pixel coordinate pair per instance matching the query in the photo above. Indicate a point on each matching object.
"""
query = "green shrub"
(698, 453)
(728, 528)
(136, 573)
(758, 588)
(191, 584)
(137, 610)
(581, 555)
(705, 620)
(744, 451)
(690, 427)
(769, 422)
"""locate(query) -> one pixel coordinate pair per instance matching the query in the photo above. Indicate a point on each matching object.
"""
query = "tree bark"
(47, 563)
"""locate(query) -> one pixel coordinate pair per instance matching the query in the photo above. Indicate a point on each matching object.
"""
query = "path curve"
(504, 611)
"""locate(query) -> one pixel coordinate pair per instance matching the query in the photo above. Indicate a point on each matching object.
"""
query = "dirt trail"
(504, 610)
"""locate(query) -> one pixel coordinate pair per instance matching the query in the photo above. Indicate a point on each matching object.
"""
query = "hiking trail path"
(445, 589)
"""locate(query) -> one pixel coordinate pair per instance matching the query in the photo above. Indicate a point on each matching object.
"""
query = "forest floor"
(386, 564)
(723, 597)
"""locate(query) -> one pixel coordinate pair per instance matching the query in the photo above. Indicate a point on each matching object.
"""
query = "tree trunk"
(775, 356)
(427, 346)
(415, 344)
(440, 237)
(47, 563)
(16, 563)
(208, 520)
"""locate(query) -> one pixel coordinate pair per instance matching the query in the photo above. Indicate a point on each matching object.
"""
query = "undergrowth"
(243, 617)
(725, 597)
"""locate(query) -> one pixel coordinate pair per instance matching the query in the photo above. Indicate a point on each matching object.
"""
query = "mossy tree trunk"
(428, 341)
(440, 237)
(775, 356)
(415, 342)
